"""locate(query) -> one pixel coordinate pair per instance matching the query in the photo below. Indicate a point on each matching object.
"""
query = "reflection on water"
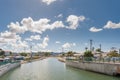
(52, 69)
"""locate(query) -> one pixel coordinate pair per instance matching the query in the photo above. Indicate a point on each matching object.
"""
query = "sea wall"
(7, 67)
(105, 68)
(61, 59)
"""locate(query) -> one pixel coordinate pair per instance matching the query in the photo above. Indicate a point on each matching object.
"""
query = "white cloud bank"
(44, 44)
(43, 24)
(28, 24)
(68, 45)
(16, 28)
(33, 37)
(74, 20)
(12, 36)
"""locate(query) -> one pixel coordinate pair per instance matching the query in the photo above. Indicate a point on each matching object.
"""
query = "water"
(52, 69)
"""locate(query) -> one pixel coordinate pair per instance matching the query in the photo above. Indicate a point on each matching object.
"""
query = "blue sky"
(50, 25)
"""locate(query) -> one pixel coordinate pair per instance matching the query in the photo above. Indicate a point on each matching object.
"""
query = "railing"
(7, 62)
(94, 59)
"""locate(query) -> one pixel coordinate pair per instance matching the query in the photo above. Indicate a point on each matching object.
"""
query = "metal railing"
(7, 62)
(94, 59)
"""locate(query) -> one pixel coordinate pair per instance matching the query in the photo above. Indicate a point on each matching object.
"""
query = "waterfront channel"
(52, 69)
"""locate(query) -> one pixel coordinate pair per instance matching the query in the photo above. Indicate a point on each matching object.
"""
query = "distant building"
(7, 53)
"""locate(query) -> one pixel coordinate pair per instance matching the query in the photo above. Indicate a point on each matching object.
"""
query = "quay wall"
(61, 59)
(7, 67)
(104, 68)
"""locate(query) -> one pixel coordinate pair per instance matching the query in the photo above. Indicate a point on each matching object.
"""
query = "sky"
(59, 25)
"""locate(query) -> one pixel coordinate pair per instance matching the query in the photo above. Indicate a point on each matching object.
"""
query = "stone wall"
(105, 68)
(7, 67)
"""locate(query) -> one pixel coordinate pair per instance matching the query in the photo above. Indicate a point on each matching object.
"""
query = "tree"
(88, 55)
(63, 54)
(47, 54)
(2, 53)
(70, 53)
(36, 54)
(11, 53)
(23, 54)
(113, 53)
(98, 50)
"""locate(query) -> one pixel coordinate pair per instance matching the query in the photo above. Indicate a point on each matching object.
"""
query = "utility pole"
(119, 51)
(91, 44)
(62, 50)
(24, 49)
(31, 52)
(100, 47)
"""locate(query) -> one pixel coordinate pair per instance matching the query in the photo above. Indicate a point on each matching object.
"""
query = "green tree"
(11, 53)
(88, 55)
(98, 50)
(70, 53)
(63, 54)
(2, 53)
(36, 54)
(23, 54)
(113, 53)
(47, 54)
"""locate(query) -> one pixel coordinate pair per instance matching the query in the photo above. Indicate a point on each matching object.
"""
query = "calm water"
(52, 69)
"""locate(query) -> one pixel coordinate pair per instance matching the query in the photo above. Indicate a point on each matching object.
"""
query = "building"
(7, 53)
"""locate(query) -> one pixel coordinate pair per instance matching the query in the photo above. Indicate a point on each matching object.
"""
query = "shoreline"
(25, 61)
(61, 59)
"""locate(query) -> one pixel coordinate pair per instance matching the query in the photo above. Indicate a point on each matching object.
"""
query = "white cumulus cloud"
(16, 28)
(43, 24)
(2, 40)
(13, 36)
(74, 20)
(44, 44)
(39, 26)
(59, 16)
(68, 45)
(111, 25)
(19, 44)
(57, 42)
(93, 29)
(9, 35)
(33, 37)
(48, 2)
